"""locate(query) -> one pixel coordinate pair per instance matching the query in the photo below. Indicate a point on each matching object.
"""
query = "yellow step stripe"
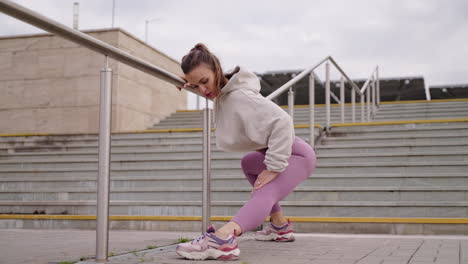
(227, 218)
(174, 130)
(401, 122)
(389, 102)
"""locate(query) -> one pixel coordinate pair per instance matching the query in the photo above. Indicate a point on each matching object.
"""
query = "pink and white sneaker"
(209, 246)
(271, 232)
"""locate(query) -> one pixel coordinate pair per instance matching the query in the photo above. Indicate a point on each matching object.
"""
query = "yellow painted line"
(318, 105)
(114, 133)
(174, 130)
(307, 126)
(425, 101)
(184, 111)
(38, 217)
(166, 130)
(401, 122)
(227, 218)
(44, 134)
(381, 220)
(389, 102)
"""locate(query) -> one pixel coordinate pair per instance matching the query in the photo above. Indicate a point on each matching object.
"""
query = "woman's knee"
(252, 160)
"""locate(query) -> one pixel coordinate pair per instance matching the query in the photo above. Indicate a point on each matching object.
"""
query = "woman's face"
(202, 78)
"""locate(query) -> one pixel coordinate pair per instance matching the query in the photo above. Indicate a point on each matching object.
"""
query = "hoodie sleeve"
(279, 143)
(264, 121)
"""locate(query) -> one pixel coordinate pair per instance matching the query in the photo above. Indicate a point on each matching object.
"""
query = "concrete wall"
(51, 85)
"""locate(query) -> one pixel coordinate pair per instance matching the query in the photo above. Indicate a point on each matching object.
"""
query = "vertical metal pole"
(311, 109)
(206, 206)
(105, 116)
(113, 12)
(291, 103)
(342, 99)
(374, 98)
(146, 31)
(198, 102)
(327, 94)
(362, 107)
(353, 105)
(368, 103)
(76, 10)
(378, 85)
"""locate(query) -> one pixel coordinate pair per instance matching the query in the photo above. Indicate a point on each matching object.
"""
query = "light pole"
(146, 27)
(113, 12)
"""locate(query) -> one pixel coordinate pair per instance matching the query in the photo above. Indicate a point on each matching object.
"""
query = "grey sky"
(404, 37)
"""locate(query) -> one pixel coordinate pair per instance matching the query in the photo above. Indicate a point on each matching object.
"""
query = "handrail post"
(353, 106)
(291, 103)
(368, 103)
(374, 97)
(105, 116)
(362, 101)
(327, 94)
(206, 206)
(378, 85)
(342, 99)
(311, 109)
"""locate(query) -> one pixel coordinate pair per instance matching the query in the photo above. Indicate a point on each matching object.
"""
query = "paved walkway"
(53, 246)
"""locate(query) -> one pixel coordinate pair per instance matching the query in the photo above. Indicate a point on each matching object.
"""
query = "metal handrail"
(102, 226)
(294, 80)
(49, 25)
(369, 90)
(36, 19)
(298, 77)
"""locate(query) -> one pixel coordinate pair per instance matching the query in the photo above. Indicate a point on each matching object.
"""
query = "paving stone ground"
(53, 246)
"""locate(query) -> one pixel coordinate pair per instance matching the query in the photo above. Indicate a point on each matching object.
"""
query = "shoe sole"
(211, 254)
(289, 237)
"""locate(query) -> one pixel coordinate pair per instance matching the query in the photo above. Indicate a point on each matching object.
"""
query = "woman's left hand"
(264, 178)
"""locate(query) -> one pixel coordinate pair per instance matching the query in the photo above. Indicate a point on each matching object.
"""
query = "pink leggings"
(265, 201)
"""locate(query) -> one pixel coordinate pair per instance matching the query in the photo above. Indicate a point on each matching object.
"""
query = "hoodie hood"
(242, 79)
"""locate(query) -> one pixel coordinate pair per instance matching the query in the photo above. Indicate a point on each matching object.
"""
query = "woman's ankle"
(228, 229)
(279, 222)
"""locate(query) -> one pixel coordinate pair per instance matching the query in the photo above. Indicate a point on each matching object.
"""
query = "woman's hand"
(187, 84)
(264, 178)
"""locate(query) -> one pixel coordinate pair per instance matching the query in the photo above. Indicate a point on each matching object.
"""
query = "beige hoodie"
(247, 121)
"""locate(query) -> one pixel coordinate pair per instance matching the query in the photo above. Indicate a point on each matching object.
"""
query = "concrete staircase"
(391, 111)
(414, 171)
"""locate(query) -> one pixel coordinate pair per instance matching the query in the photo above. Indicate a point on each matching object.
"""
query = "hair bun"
(200, 47)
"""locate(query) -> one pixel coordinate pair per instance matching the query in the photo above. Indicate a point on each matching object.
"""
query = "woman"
(247, 121)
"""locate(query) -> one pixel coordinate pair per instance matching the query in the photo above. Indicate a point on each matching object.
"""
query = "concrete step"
(461, 138)
(238, 180)
(397, 131)
(384, 153)
(223, 159)
(399, 127)
(119, 139)
(302, 193)
(375, 193)
(392, 148)
(234, 168)
(455, 209)
(424, 104)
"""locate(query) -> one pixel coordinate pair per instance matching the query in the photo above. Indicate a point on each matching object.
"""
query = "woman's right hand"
(186, 85)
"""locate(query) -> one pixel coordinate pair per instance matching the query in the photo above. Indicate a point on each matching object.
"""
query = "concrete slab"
(55, 246)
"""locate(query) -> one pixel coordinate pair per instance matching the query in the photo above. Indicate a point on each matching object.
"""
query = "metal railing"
(370, 90)
(102, 227)
(102, 238)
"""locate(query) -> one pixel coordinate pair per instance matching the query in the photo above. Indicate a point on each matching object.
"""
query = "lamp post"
(113, 13)
(146, 27)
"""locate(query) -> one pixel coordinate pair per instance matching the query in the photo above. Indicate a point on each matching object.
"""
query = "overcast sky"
(426, 38)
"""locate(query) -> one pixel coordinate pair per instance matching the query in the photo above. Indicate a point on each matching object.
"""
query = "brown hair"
(200, 54)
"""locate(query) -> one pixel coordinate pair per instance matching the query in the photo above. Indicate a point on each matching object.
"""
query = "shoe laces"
(199, 238)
